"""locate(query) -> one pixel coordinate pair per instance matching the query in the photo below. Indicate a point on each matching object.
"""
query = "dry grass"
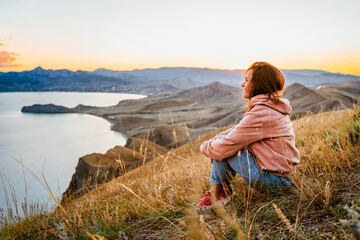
(156, 201)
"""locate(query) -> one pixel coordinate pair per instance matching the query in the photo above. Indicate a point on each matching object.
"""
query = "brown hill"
(323, 98)
(214, 92)
(348, 93)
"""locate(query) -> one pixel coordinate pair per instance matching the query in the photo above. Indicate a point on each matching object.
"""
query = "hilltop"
(155, 200)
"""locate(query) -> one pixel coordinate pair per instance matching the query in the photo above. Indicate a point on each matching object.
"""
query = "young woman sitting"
(261, 148)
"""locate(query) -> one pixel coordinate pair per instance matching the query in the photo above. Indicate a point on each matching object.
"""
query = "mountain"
(213, 93)
(205, 76)
(201, 75)
(148, 81)
(183, 83)
(39, 79)
(312, 78)
(323, 98)
(343, 89)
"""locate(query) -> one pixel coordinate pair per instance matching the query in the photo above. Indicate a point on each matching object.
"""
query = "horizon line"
(221, 69)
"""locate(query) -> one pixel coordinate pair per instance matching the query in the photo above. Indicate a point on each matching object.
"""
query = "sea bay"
(49, 145)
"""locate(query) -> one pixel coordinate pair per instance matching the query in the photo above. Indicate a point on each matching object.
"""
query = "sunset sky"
(136, 34)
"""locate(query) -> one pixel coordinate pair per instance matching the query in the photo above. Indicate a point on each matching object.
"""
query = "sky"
(137, 34)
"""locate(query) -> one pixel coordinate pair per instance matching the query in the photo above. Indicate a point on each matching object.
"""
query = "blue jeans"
(244, 165)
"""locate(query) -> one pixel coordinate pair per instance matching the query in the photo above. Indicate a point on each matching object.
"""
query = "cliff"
(96, 169)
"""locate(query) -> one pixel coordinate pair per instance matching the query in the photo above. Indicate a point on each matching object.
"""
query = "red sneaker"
(205, 201)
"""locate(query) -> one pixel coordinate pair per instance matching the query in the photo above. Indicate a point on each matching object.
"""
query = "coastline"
(113, 126)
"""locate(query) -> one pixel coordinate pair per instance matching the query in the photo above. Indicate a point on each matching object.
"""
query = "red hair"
(266, 79)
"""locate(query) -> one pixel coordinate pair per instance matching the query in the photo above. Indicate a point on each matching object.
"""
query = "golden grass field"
(156, 200)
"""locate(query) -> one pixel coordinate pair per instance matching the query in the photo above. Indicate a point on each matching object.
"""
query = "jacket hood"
(262, 99)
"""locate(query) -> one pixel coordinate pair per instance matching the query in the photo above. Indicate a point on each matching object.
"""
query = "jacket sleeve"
(246, 132)
(223, 133)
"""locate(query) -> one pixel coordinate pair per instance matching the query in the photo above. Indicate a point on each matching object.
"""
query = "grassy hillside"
(156, 201)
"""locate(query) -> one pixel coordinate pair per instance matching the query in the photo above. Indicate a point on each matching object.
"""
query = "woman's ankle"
(224, 189)
(215, 189)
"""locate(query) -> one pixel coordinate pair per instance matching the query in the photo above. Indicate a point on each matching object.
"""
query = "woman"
(261, 148)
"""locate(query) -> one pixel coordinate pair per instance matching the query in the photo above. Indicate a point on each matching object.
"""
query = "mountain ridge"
(147, 81)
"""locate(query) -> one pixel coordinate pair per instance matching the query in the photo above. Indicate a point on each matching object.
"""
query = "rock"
(46, 108)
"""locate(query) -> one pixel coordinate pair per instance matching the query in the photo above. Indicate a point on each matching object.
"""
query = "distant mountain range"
(148, 81)
(58, 80)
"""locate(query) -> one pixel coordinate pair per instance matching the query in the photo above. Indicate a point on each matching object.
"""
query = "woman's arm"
(246, 132)
(222, 134)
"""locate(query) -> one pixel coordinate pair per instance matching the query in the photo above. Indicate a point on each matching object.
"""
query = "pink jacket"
(267, 131)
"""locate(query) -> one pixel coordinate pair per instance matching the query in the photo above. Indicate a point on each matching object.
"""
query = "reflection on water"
(49, 144)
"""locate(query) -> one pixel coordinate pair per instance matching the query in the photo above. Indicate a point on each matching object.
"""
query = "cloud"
(7, 59)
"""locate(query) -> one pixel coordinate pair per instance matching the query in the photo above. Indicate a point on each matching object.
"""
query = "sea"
(39, 152)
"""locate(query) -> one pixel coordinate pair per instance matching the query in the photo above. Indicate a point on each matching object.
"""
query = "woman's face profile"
(245, 84)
